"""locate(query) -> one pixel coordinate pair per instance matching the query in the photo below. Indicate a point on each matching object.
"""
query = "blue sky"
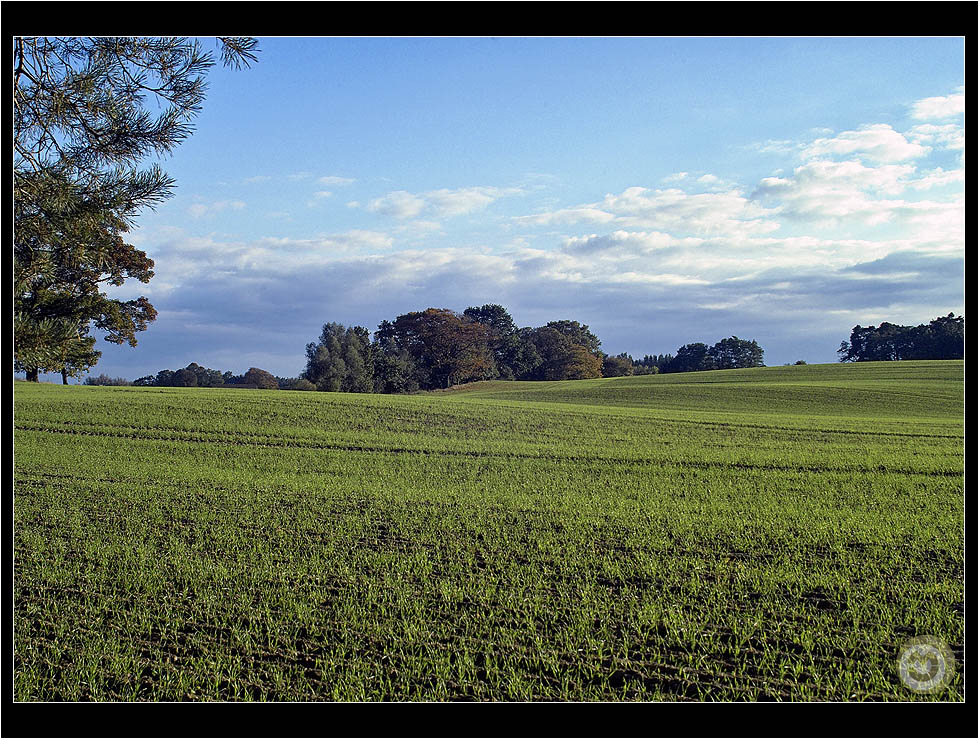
(661, 190)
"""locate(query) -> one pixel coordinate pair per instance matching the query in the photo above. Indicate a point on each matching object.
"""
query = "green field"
(765, 534)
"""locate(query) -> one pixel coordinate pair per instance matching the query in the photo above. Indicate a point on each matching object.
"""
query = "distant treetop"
(942, 338)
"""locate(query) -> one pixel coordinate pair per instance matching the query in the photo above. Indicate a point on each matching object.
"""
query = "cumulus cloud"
(946, 136)
(850, 192)
(938, 177)
(672, 210)
(679, 212)
(937, 108)
(399, 204)
(824, 190)
(448, 203)
(878, 142)
(712, 182)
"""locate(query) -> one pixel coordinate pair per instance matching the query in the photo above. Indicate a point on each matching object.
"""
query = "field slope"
(767, 534)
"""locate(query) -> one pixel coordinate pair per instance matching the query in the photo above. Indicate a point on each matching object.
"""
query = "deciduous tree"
(446, 347)
(735, 353)
(560, 357)
(579, 334)
(513, 354)
(261, 379)
(342, 360)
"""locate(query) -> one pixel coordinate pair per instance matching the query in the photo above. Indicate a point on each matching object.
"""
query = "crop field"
(768, 534)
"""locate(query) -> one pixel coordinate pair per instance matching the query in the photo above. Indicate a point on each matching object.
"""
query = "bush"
(106, 380)
(642, 370)
(296, 383)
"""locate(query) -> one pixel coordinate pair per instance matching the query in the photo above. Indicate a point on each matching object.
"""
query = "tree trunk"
(64, 377)
(32, 375)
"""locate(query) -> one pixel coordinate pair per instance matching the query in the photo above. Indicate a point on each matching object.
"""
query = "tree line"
(729, 353)
(438, 348)
(941, 338)
(195, 375)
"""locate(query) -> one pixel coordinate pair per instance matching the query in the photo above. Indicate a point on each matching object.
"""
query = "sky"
(662, 191)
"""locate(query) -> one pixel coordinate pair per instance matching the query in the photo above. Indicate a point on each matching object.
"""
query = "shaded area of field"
(498, 543)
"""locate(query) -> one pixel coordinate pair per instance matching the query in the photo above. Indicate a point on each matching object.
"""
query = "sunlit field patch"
(767, 534)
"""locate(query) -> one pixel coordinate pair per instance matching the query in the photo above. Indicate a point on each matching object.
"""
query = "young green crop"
(650, 538)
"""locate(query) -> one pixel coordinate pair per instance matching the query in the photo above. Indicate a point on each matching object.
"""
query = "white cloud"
(567, 217)
(709, 180)
(442, 203)
(846, 177)
(878, 142)
(937, 108)
(938, 178)
(672, 210)
(654, 278)
(361, 239)
(838, 193)
(676, 211)
(937, 226)
(399, 204)
(448, 203)
(620, 243)
(947, 136)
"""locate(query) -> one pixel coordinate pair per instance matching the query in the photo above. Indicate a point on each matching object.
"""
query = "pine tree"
(82, 124)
